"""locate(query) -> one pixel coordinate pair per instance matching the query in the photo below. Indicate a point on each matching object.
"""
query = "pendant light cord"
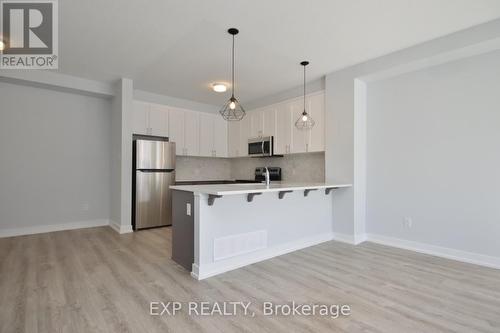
(304, 88)
(232, 70)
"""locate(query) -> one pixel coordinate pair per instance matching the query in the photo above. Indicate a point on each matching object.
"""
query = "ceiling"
(178, 48)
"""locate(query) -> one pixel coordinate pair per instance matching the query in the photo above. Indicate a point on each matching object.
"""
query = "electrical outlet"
(188, 209)
(408, 222)
(85, 207)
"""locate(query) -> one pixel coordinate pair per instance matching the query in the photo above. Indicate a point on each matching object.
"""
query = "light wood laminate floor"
(94, 280)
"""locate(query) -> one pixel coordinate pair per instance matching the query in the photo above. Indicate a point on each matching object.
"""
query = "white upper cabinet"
(299, 136)
(150, 119)
(140, 122)
(158, 120)
(192, 133)
(220, 137)
(262, 122)
(233, 135)
(207, 123)
(279, 119)
(176, 130)
(256, 121)
(283, 137)
(244, 129)
(213, 135)
(205, 134)
(269, 119)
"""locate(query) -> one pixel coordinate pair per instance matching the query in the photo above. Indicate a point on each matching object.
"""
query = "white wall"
(121, 159)
(54, 151)
(434, 155)
(176, 102)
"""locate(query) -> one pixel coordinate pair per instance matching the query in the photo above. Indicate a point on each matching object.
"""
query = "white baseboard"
(204, 271)
(52, 227)
(349, 239)
(438, 251)
(121, 229)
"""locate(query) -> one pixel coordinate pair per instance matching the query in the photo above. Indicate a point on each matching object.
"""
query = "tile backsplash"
(307, 167)
(202, 168)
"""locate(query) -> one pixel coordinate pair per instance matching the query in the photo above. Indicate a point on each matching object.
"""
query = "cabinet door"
(244, 136)
(140, 122)
(316, 107)
(269, 120)
(283, 137)
(176, 129)
(256, 124)
(233, 137)
(220, 137)
(158, 120)
(206, 134)
(191, 133)
(299, 136)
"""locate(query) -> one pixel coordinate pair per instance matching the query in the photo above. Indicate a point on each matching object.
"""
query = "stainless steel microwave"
(260, 147)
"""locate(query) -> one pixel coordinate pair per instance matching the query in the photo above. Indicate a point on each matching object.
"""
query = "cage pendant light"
(305, 121)
(232, 110)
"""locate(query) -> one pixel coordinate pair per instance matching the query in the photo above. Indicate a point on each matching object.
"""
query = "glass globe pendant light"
(232, 110)
(305, 121)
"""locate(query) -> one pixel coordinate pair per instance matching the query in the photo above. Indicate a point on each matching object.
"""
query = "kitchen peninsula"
(217, 228)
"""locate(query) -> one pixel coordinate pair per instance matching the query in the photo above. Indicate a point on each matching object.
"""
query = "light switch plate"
(188, 209)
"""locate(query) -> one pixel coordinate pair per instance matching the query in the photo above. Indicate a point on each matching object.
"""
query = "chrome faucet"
(268, 177)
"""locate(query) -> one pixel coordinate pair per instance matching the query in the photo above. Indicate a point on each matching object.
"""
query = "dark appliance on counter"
(274, 174)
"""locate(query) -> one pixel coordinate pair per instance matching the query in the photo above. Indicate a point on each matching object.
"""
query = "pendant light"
(232, 110)
(305, 121)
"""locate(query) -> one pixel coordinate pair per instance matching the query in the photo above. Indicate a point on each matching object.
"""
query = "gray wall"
(344, 127)
(55, 164)
(433, 155)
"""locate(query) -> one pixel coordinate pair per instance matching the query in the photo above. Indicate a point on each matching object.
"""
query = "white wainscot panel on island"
(218, 228)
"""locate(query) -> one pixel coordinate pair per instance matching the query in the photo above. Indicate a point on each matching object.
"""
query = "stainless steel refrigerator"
(154, 172)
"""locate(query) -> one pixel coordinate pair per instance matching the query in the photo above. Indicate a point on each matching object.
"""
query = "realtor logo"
(29, 34)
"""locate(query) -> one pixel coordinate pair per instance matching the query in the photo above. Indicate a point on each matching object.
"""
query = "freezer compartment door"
(153, 199)
(155, 155)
